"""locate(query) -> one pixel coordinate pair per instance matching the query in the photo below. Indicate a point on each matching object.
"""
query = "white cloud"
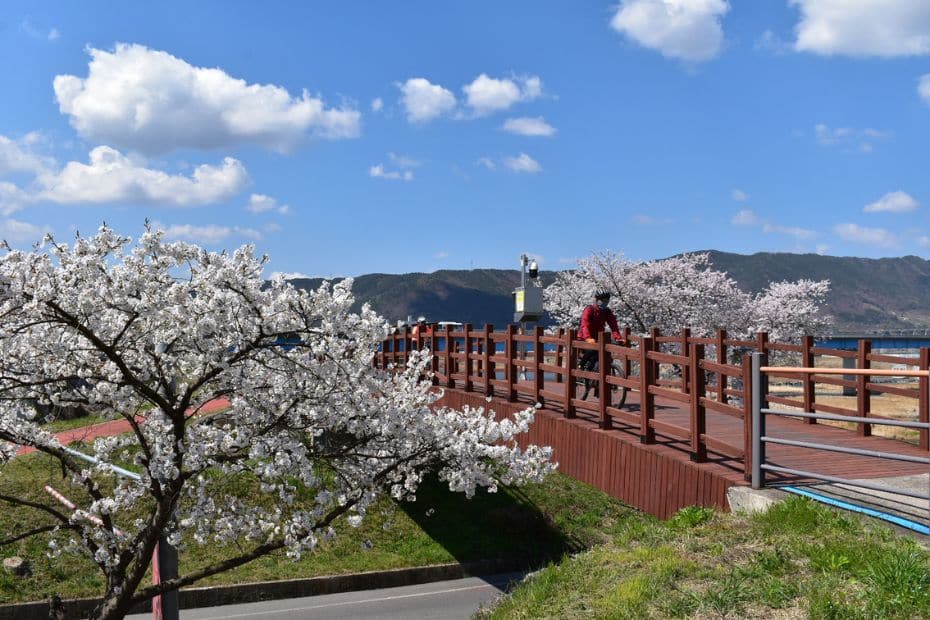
(16, 156)
(378, 172)
(16, 231)
(12, 198)
(745, 217)
(923, 88)
(848, 137)
(403, 161)
(688, 30)
(260, 203)
(748, 218)
(794, 231)
(827, 136)
(209, 234)
(377, 104)
(739, 195)
(822, 248)
(424, 101)
(772, 43)
(523, 163)
(152, 102)
(487, 162)
(51, 34)
(486, 94)
(526, 126)
(290, 275)
(869, 236)
(892, 202)
(883, 28)
(111, 177)
(648, 220)
(441, 255)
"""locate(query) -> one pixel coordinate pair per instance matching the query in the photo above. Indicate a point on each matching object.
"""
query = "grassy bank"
(561, 516)
(798, 560)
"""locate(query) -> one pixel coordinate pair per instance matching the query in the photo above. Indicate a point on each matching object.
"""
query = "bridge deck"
(660, 478)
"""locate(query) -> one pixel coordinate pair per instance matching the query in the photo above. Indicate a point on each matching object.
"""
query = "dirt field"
(885, 405)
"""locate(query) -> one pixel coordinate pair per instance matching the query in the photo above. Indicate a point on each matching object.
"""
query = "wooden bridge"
(682, 437)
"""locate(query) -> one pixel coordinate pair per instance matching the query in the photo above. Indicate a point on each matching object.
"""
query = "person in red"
(421, 334)
(593, 319)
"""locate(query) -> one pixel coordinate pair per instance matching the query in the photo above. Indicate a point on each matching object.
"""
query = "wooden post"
(747, 418)
(647, 434)
(468, 357)
(603, 395)
(923, 399)
(762, 340)
(510, 347)
(571, 361)
(450, 364)
(538, 378)
(434, 355)
(407, 343)
(488, 344)
(627, 343)
(698, 414)
(863, 395)
(685, 352)
(807, 360)
(722, 381)
(558, 355)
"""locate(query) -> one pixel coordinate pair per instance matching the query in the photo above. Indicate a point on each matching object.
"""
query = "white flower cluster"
(152, 331)
(685, 291)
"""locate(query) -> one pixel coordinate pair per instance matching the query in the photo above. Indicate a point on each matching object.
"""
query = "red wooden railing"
(470, 360)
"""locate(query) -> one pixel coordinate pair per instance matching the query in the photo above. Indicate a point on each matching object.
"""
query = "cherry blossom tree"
(684, 291)
(152, 331)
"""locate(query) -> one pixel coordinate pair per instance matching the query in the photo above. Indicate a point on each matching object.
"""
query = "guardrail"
(760, 439)
(464, 354)
(527, 366)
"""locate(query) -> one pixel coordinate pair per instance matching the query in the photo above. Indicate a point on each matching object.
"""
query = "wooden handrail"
(469, 360)
(846, 371)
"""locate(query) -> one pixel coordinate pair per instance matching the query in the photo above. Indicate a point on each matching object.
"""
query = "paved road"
(442, 599)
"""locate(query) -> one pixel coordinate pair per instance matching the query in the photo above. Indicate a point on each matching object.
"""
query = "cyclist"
(593, 319)
(421, 333)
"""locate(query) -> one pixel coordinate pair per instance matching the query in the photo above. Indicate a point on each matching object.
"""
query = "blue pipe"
(911, 525)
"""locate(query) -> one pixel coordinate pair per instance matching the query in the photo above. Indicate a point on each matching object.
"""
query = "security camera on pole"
(528, 301)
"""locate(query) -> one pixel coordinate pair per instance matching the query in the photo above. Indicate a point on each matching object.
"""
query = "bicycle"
(617, 392)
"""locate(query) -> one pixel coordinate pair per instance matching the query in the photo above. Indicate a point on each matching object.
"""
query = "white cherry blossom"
(152, 331)
(684, 291)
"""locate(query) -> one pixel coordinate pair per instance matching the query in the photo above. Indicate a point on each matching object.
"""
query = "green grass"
(561, 516)
(799, 560)
(57, 426)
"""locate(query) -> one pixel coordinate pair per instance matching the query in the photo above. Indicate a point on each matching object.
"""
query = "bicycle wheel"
(618, 392)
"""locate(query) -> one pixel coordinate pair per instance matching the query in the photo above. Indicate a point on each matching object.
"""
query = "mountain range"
(865, 294)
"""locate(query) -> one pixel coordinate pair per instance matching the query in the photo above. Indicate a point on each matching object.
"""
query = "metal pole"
(167, 557)
(164, 606)
(759, 387)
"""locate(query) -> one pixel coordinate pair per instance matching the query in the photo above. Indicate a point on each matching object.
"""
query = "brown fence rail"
(700, 373)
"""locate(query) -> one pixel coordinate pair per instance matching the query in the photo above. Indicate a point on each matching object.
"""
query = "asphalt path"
(458, 598)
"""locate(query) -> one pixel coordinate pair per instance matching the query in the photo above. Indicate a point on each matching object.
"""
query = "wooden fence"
(698, 373)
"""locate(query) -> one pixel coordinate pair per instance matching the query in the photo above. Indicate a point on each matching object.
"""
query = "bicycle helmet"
(602, 294)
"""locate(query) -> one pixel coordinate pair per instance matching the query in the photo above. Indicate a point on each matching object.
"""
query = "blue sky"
(349, 138)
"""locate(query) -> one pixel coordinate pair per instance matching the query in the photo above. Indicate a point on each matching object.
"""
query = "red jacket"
(593, 320)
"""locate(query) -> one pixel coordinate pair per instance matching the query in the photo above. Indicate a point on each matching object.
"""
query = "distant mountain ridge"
(865, 295)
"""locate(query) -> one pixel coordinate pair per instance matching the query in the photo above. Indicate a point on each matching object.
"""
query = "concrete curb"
(191, 598)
